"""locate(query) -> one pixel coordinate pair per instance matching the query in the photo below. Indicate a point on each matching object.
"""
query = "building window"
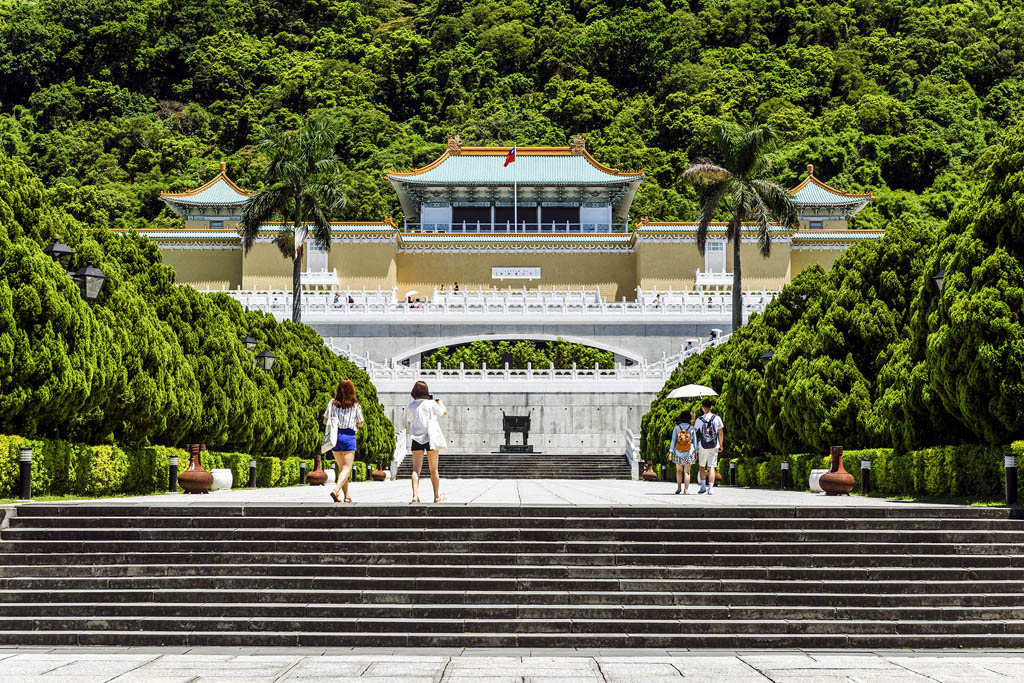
(217, 225)
(817, 225)
(316, 259)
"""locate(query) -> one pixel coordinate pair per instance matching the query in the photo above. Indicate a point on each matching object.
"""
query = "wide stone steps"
(545, 576)
(522, 466)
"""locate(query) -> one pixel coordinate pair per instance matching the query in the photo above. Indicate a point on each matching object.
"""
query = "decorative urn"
(837, 481)
(317, 477)
(379, 474)
(196, 479)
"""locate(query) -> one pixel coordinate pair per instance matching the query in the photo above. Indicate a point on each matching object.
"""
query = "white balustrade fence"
(358, 305)
(399, 455)
(633, 454)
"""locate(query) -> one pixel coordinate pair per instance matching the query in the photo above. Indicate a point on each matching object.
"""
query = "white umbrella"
(692, 391)
(412, 293)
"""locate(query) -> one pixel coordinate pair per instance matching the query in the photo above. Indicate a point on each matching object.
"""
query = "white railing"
(399, 455)
(319, 278)
(713, 279)
(359, 306)
(521, 226)
(633, 454)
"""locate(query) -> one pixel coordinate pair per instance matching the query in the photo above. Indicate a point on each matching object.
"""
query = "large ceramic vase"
(379, 474)
(649, 474)
(196, 479)
(317, 477)
(837, 481)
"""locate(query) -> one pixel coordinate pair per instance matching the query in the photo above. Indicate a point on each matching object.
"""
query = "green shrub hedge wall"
(65, 468)
(966, 471)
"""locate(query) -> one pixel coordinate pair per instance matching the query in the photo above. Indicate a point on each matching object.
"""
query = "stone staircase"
(523, 466)
(448, 575)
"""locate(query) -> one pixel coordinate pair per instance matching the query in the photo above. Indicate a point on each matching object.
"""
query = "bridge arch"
(622, 355)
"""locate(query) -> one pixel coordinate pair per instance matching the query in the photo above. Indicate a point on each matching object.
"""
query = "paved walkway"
(253, 665)
(523, 492)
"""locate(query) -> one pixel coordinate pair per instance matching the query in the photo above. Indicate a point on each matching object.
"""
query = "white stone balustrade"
(501, 306)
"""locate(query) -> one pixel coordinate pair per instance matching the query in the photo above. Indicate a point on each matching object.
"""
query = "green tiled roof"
(218, 193)
(527, 170)
(817, 194)
(847, 235)
(606, 238)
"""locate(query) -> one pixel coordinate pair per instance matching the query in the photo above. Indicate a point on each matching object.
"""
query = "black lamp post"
(766, 358)
(60, 253)
(938, 278)
(248, 342)
(90, 280)
(265, 359)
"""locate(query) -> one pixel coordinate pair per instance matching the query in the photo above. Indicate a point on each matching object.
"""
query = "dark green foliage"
(540, 355)
(112, 101)
(150, 362)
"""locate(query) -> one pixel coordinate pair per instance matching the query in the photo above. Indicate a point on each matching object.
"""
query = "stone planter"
(222, 480)
(317, 477)
(379, 474)
(195, 479)
(837, 481)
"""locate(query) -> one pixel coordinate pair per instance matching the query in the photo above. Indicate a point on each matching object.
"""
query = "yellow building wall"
(802, 258)
(614, 274)
(664, 265)
(205, 268)
(361, 264)
(265, 268)
(827, 224)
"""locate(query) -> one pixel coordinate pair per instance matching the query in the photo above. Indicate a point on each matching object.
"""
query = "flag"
(510, 157)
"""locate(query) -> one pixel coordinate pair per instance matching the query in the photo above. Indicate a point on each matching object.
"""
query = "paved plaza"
(522, 492)
(254, 665)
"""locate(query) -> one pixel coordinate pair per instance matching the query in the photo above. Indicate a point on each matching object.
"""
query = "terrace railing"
(552, 227)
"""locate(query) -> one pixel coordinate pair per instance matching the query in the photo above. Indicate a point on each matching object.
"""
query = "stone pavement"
(522, 492)
(254, 665)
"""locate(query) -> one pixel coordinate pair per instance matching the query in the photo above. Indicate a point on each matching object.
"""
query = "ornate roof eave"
(523, 151)
(838, 198)
(187, 198)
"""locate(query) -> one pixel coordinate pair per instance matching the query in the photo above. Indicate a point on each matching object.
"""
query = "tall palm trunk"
(297, 289)
(737, 277)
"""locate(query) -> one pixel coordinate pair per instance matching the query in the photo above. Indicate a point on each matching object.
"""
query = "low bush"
(359, 471)
(964, 471)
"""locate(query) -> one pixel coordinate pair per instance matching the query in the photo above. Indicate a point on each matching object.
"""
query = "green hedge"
(943, 471)
(65, 468)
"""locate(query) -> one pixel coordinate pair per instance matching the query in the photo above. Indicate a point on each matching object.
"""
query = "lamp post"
(766, 358)
(60, 253)
(938, 278)
(265, 360)
(90, 280)
(248, 342)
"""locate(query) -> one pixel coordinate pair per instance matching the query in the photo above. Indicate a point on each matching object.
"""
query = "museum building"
(554, 218)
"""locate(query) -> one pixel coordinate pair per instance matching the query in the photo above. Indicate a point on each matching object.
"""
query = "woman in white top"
(345, 408)
(423, 410)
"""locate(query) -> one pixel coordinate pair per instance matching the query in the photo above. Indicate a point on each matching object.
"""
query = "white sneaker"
(703, 489)
(709, 492)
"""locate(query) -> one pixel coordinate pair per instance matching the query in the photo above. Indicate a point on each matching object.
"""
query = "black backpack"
(707, 435)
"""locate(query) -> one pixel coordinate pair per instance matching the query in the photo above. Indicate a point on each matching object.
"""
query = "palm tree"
(738, 185)
(303, 187)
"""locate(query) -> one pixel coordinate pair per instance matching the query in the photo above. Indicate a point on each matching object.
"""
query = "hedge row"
(65, 468)
(943, 471)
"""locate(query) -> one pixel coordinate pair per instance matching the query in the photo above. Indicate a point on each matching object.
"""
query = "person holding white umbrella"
(709, 422)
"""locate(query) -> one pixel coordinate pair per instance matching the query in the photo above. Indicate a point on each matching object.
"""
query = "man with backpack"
(710, 439)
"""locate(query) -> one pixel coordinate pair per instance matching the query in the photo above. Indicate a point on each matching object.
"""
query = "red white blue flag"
(510, 157)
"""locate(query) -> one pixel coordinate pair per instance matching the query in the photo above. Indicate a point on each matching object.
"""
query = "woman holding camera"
(422, 415)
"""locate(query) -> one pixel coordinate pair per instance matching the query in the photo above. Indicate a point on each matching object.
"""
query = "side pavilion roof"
(220, 191)
(813, 192)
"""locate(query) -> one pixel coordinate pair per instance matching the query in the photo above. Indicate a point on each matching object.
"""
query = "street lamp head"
(60, 253)
(90, 280)
(265, 360)
(248, 342)
(766, 358)
(938, 278)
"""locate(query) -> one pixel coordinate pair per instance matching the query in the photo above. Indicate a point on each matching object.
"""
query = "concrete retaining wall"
(562, 423)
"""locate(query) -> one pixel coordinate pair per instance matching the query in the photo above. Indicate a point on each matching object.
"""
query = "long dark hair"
(345, 396)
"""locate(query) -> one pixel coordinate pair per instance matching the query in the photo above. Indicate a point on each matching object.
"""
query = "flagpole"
(515, 192)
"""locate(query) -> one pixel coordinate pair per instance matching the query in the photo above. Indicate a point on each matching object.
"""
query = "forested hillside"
(112, 101)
